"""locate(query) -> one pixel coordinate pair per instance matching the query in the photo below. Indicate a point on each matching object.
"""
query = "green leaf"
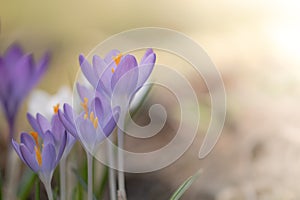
(82, 182)
(26, 184)
(104, 180)
(183, 187)
(37, 189)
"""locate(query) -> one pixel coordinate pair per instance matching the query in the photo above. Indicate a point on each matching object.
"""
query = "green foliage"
(37, 189)
(25, 186)
(183, 187)
(82, 182)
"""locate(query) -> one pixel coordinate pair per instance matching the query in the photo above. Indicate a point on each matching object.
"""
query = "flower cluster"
(116, 76)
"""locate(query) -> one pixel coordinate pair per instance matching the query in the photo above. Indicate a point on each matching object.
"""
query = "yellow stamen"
(56, 108)
(112, 70)
(85, 116)
(84, 104)
(95, 122)
(117, 59)
(92, 116)
(38, 155)
(35, 137)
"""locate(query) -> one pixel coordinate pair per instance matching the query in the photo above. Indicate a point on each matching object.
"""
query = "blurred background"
(254, 44)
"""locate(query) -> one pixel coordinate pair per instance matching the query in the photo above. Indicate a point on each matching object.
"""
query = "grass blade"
(37, 189)
(26, 184)
(184, 186)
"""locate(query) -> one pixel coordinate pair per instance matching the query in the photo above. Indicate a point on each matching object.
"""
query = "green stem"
(37, 189)
(90, 176)
(121, 177)
(62, 172)
(111, 172)
(49, 190)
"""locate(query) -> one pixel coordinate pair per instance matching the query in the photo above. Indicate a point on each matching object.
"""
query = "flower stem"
(62, 172)
(90, 176)
(121, 178)
(49, 190)
(111, 172)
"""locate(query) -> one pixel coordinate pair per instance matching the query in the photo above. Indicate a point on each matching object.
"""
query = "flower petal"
(126, 64)
(68, 124)
(43, 123)
(48, 159)
(41, 68)
(147, 53)
(86, 133)
(99, 66)
(58, 128)
(28, 141)
(111, 123)
(145, 69)
(49, 138)
(87, 70)
(34, 124)
(62, 147)
(13, 54)
(16, 146)
(84, 92)
(29, 158)
(111, 55)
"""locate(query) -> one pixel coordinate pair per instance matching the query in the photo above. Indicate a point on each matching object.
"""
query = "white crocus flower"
(42, 102)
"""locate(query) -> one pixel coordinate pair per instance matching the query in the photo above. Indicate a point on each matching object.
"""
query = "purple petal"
(111, 55)
(87, 132)
(125, 65)
(70, 115)
(145, 69)
(16, 146)
(99, 66)
(87, 70)
(62, 147)
(69, 124)
(34, 124)
(22, 76)
(111, 124)
(13, 54)
(58, 128)
(99, 108)
(29, 158)
(48, 158)
(69, 144)
(147, 53)
(41, 67)
(84, 92)
(43, 122)
(28, 141)
(48, 138)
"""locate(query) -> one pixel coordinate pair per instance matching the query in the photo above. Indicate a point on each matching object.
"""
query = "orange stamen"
(117, 59)
(92, 116)
(95, 122)
(38, 155)
(56, 108)
(84, 104)
(112, 70)
(35, 137)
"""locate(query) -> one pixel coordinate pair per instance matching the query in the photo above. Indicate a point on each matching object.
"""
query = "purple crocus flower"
(104, 74)
(91, 126)
(41, 157)
(41, 125)
(18, 75)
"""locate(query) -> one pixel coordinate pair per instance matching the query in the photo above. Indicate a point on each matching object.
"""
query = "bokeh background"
(254, 44)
